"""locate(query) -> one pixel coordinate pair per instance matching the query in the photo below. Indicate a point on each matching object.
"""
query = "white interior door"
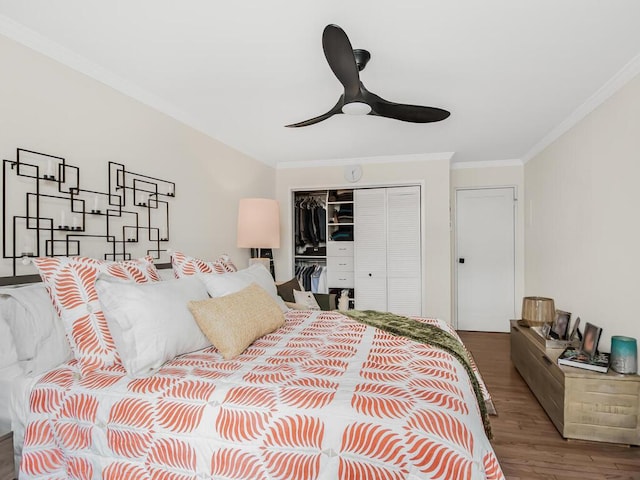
(485, 259)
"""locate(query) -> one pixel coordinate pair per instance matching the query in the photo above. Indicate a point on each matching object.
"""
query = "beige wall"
(50, 108)
(582, 220)
(492, 176)
(433, 175)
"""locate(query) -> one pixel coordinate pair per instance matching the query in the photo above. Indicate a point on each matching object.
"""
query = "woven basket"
(537, 311)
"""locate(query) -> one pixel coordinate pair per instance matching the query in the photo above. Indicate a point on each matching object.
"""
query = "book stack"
(574, 357)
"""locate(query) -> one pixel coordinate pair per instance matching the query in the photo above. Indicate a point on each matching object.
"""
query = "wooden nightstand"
(585, 405)
(7, 469)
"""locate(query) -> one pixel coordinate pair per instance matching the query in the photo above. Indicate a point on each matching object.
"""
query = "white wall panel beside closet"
(387, 250)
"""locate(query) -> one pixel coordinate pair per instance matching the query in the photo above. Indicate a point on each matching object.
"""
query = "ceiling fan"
(356, 99)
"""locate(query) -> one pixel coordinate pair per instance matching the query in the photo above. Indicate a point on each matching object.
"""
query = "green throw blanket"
(424, 333)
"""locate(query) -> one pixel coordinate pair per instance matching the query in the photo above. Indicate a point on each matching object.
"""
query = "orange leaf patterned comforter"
(323, 397)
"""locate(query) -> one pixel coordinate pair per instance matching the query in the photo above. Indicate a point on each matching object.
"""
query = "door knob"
(461, 260)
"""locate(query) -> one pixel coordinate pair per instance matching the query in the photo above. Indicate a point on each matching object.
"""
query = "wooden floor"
(527, 444)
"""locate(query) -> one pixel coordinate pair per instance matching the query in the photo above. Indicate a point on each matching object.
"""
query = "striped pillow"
(70, 282)
(184, 265)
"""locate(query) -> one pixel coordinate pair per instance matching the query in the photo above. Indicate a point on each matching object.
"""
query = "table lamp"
(258, 226)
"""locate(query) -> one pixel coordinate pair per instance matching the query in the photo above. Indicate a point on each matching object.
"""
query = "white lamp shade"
(258, 223)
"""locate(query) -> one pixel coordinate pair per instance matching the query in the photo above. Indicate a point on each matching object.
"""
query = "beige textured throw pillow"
(235, 321)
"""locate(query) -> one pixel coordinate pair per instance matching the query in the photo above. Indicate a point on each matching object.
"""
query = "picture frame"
(545, 329)
(560, 325)
(590, 340)
(574, 329)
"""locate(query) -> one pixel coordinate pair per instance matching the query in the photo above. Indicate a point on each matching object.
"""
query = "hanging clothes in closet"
(310, 224)
(312, 277)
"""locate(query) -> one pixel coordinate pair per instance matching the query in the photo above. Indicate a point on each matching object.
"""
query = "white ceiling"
(513, 73)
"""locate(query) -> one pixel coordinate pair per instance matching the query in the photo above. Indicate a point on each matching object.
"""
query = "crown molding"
(515, 162)
(615, 83)
(338, 162)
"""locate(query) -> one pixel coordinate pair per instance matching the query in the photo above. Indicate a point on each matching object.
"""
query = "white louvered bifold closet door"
(387, 250)
(404, 273)
(370, 249)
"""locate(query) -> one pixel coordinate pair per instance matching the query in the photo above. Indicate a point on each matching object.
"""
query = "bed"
(322, 396)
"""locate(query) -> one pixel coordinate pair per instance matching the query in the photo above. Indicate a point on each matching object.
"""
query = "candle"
(49, 168)
(75, 222)
(96, 203)
(63, 219)
(27, 247)
(624, 354)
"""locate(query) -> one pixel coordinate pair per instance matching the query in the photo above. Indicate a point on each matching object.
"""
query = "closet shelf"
(339, 224)
(311, 256)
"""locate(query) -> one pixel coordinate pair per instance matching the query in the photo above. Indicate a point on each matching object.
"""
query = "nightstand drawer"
(7, 469)
(541, 374)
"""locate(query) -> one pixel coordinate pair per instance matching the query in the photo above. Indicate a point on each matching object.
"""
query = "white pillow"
(150, 322)
(166, 274)
(221, 284)
(307, 299)
(37, 330)
(8, 354)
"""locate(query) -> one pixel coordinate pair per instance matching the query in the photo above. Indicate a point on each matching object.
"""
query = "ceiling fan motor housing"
(362, 58)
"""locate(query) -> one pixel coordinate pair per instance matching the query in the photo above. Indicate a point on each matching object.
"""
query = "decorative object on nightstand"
(537, 311)
(552, 336)
(7, 468)
(542, 337)
(590, 340)
(259, 228)
(574, 357)
(624, 354)
(560, 327)
(575, 331)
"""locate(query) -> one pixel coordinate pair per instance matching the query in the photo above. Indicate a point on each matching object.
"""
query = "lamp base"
(264, 261)
(264, 256)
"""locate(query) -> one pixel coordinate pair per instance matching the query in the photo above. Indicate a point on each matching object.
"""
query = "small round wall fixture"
(352, 173)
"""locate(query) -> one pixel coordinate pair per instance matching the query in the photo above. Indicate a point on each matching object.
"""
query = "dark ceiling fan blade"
(401, 111)
(337, 109)
(410, 113)
(339, 53)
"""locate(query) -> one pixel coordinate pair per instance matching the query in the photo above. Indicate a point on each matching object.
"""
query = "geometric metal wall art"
(45, 212)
